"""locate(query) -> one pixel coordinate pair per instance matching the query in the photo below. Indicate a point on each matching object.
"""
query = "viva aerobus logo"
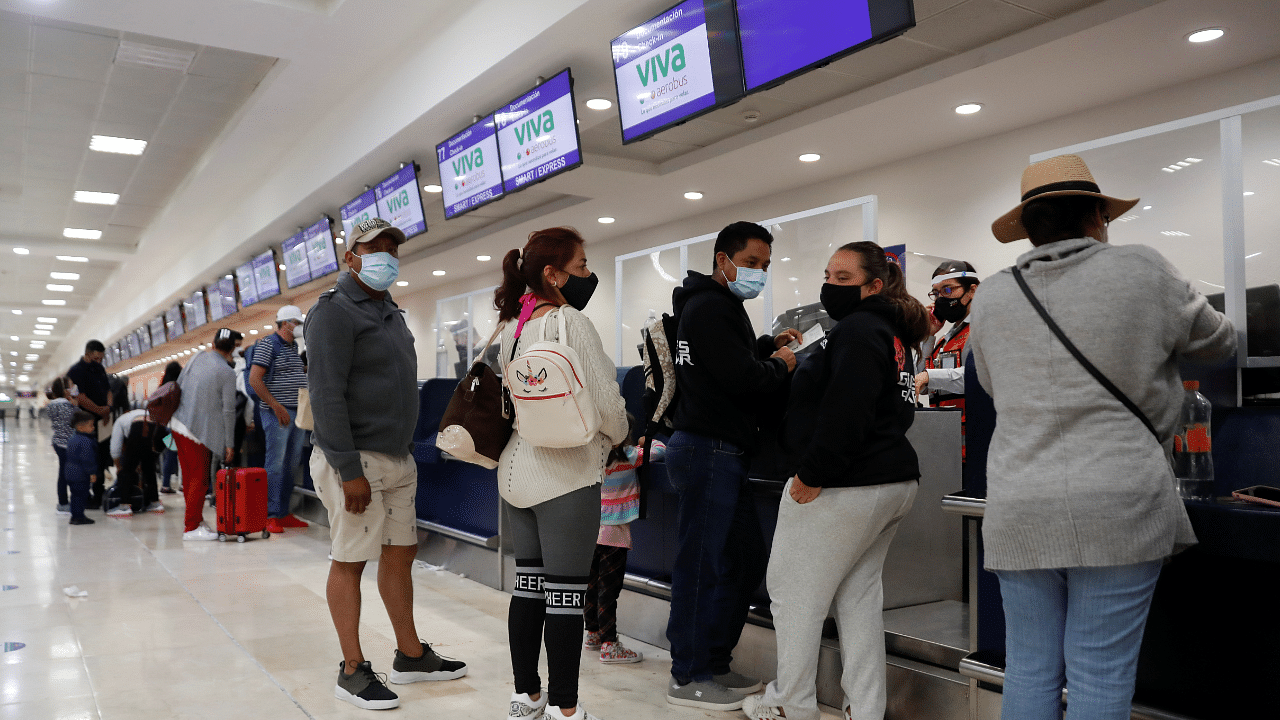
(465, 164)
(399, 201)
(660, 65)
(535, 126)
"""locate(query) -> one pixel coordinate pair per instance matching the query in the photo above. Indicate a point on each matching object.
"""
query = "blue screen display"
(780, 37)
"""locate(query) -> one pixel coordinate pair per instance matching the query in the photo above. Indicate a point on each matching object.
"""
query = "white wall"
(941, 204)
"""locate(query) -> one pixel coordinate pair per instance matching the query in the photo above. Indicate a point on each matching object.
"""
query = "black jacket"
(853, 401)
(722, 370)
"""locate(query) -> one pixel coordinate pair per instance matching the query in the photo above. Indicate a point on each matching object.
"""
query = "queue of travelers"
(1076, 539)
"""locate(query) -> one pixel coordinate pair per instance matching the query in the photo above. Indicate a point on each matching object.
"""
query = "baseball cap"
(227, 333)
(290, 312)
(367, 230)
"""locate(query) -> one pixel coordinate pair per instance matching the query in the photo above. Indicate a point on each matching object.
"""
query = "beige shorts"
(390, 519)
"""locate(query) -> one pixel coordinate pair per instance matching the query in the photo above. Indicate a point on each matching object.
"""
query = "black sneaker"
(364, 688)
(81, 521)
(430, 667)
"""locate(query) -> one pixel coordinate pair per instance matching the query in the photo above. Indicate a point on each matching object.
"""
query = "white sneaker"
(64, 509)
(200, 533)
(522, 708)
(554, 713)
(120, 511)
(755, 709)
(155, 507)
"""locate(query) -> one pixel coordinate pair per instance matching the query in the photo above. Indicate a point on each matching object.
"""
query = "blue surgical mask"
(749, 284)
(379, 270)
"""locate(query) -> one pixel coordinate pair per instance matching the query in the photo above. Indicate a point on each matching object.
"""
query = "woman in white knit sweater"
(551, 496)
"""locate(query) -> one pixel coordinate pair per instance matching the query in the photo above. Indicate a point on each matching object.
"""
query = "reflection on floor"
(226, 630)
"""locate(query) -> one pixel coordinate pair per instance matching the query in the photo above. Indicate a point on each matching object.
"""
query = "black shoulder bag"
(1075, 352)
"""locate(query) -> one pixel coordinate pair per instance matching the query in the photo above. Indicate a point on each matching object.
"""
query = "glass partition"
(453, 337)
(1260, 158)
(803, 242)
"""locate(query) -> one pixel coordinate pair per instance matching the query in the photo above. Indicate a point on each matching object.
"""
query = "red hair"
(523, 269)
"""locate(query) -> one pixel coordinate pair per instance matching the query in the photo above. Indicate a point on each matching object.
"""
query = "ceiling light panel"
(72, 258)
(96, 198)
(81, 234)
(122, 146)
(64, 275)
(154, 56)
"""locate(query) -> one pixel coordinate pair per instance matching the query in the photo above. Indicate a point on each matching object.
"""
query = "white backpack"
(553, 406)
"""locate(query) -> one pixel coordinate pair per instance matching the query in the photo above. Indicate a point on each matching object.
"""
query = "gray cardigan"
(208, 406)
(1073, 478)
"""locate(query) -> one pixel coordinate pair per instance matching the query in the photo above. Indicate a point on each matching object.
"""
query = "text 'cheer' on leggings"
(554, 542)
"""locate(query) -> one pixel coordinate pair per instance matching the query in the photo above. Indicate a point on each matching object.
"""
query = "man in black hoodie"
(723, 372)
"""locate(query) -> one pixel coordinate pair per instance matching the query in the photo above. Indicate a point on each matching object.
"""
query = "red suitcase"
(242, 503)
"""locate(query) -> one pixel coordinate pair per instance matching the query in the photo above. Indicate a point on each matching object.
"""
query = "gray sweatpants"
(833, 548)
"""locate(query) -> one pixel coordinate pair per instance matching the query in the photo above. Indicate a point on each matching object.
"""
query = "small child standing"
(619, 506)
(61, 410)
(81, 465)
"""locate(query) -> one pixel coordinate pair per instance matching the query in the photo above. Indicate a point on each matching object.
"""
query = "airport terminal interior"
(169, 168)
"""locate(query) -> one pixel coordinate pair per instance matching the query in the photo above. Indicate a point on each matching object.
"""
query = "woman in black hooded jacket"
(851, 405)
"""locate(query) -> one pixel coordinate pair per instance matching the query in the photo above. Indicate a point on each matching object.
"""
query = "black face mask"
(577, 291)
(950, 309)
(840, 300)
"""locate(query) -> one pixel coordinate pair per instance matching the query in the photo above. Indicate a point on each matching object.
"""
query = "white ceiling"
(345, 103)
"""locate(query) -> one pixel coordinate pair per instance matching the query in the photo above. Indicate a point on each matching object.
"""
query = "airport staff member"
(954, 284)
(363, 382)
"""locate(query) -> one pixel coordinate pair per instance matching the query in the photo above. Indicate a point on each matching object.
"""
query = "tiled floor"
(226, 630)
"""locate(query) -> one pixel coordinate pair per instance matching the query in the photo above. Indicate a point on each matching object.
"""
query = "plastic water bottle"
(1192, 459)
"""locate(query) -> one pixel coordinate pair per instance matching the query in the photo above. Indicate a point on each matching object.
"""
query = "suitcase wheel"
(266, 534)
(239, 538)
(222, 537)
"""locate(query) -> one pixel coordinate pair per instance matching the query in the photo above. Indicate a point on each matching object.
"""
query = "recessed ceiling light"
(59, 288)
(43, 327)
(432, 188)
(1183, 163)
(1272, 161)
(786, 259)
(54, 302)
(599, 104)
(693, 195)
(1194, 160)
(48, 320)
(1146, 207)
(13, 338)
(64, 276)
(71, 258)
(338, 241)
(253, 332)
(402, 283)
(968, 108)
(1248, 193)
(22, 251)
(16, 312)
(1169, 169)
(281, 266)
(1206, 35)
(122, 146)
(484, 258)
(605, 220)
(39, 332)
(1246, 257)
(437, 273)
(96, 198)
(80, 234)
(810, 157)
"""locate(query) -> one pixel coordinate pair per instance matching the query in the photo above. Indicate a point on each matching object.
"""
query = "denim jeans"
(284, 452)
(720, 555)
(169, 466)
(1081, 627)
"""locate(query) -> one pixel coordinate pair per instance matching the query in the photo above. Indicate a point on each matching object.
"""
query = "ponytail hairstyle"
(58, 389)
(523, 269)
(872, 260)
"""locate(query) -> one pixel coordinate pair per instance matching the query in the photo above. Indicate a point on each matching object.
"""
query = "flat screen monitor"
(538, 134)
(156, 328)
(678, 65)
(784, 38)
(248, 290)
(214, 294)
(296, 268)
(363, 207)
(194, 311)
(132, 342)
(173, 322)
(144, 338)
(266, 275)
(227, 289)
(400, 202)
(470, 174)
(320, 254)
(1262, 318)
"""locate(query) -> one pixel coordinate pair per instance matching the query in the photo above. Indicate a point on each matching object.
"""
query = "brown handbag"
(477, 423)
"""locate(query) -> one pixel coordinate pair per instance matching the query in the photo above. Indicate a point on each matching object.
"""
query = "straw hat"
(1055, 177)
